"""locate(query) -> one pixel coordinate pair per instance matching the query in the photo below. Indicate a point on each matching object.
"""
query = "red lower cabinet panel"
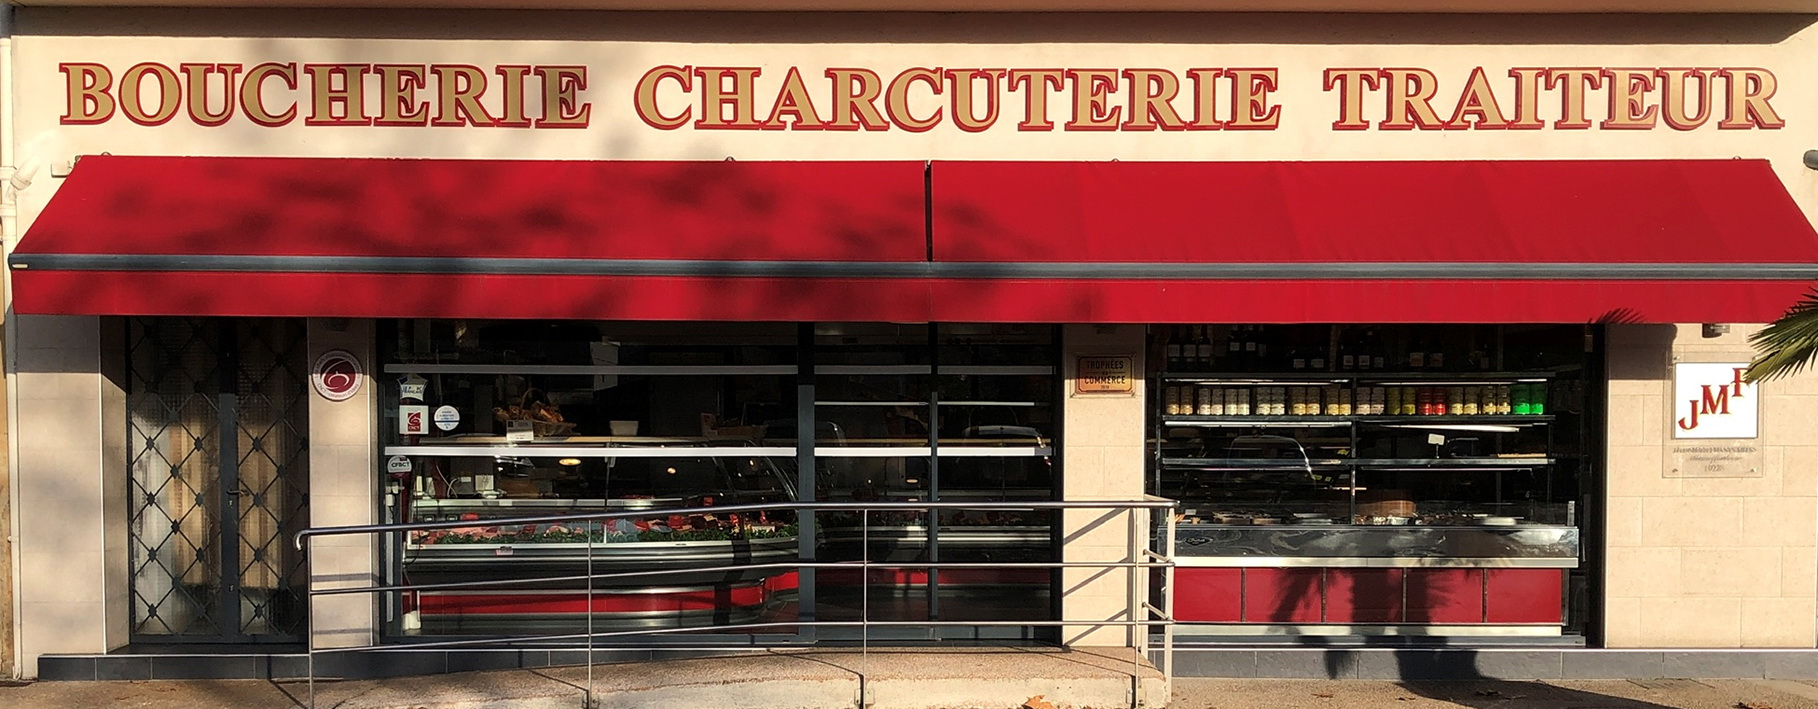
(1208, 595)
(1363, 595)
(1445, 596)
(1524, 595)
(1283, 595)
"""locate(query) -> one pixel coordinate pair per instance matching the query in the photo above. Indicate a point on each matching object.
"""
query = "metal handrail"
(1151, 503)
(1139, 556)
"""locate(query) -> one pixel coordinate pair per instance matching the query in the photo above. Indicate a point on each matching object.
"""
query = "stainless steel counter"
(1520, 546)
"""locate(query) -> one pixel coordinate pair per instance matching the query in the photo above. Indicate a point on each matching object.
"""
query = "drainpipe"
(9, 230)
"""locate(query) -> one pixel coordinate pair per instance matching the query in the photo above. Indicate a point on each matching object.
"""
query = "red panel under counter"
(1445, 596)
(1364, 595)
(606, 602)
(1369, 596)
(1209, 595)
(1283, 595)
(1523, 595)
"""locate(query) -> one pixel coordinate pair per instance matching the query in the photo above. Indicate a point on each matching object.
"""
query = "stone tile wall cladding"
(1707, 562)
(1102, 446)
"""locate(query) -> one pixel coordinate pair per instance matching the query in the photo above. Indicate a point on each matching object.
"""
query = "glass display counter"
(1339, 497)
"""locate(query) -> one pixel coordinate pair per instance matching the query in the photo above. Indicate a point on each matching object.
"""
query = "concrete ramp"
(984, 678)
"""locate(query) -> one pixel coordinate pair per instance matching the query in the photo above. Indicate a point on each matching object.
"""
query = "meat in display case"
(623, 475)
(1337, 481)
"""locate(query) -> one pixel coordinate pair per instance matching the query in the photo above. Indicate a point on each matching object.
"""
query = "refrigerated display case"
(1378, 499)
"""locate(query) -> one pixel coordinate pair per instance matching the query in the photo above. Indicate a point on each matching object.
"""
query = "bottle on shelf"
(1436, 355)
(1250, 356)
(1234, 349)
(1203, 351)
(1417, 353)
(1378, 359)
(1297, 358)
(1347, 355)
(1175, 345)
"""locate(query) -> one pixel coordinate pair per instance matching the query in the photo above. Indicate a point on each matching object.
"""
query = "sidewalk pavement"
(1496, 694)
(553, 688)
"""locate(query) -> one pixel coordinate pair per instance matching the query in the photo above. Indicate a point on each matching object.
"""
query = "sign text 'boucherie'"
(676, 97)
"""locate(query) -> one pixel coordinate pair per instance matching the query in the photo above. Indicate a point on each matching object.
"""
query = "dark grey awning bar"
(215, 263)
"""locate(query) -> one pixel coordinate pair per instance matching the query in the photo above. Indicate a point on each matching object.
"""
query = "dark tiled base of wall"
(1492, 663)
(328, 665)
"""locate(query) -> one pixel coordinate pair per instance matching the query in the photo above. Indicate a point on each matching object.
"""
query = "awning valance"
(1511, 241)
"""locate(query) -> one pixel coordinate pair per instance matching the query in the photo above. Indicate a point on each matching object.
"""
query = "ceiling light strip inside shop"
(1456, 241)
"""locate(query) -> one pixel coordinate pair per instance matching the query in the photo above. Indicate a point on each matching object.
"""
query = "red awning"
(713, 240)
(1540, 241)
(1508, 241)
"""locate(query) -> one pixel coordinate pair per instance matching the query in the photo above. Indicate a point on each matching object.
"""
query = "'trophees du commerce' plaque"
(1101, 374)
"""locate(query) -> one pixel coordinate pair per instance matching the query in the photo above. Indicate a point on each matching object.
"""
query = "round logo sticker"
(337, 375)
(397, 464)
(447, 418)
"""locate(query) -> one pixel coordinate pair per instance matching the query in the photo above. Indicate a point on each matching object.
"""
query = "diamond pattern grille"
(181, 373)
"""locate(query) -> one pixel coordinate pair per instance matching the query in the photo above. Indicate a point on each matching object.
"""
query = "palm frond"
(1788, 345)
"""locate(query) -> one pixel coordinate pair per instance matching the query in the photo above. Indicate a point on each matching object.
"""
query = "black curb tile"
(1307, 664)
(1613, 664)
(123, 667)
(380, 665)
(482, 660)
(207, 667)
(1521, 664)
(385, 665)
(288, 667)
(1713, 665)
(1793, 664)
(1222, 664)
(61, 669)
(569, 658)
(1413, 664)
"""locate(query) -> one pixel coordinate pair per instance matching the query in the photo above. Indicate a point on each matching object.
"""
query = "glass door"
(218, 441)
(942, 413)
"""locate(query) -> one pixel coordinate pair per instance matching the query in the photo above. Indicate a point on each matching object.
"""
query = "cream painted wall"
(1707, 563)
(618, 49)
(67, 594)
(1102, 458)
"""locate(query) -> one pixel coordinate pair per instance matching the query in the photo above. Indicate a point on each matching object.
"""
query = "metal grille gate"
(217, 456)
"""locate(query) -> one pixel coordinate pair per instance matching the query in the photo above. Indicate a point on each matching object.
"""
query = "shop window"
(491, 419)
(1347, 451)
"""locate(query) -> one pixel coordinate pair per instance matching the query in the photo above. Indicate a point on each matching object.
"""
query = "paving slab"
(1494, 694)
(982, 678)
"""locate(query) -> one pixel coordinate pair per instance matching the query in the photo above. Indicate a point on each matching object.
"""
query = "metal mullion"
(227, 416)
(934, 472)
(806, 429)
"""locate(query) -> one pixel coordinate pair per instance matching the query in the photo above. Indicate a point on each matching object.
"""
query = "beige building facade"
(1667, 557)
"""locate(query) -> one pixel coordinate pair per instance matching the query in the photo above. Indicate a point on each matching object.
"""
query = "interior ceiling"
(1470, 6)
